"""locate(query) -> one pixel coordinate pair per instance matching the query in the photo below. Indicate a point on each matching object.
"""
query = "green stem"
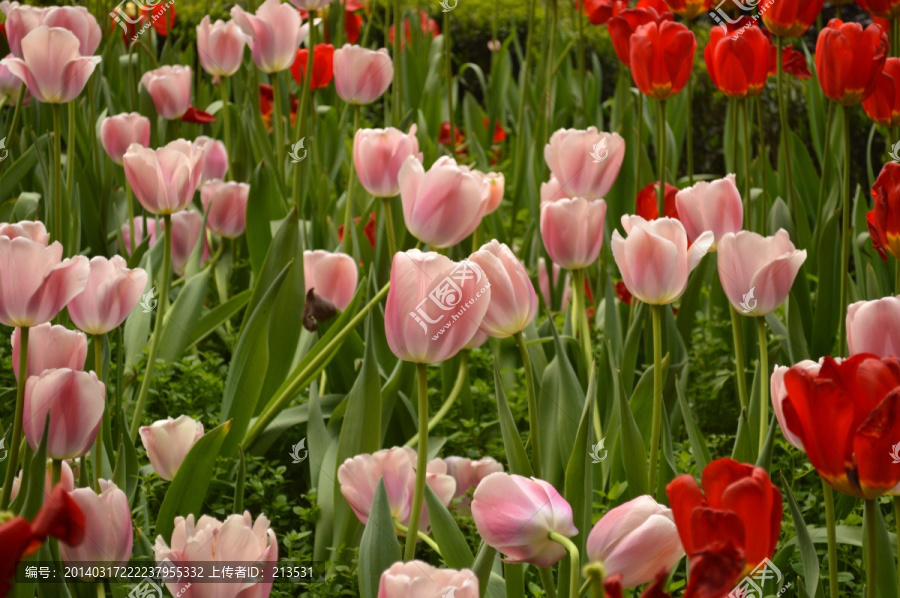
(746, 123)
(832, 539)
(17, 111)
(521, 145)
(595, 574)
(277, 121)
(574, 562)
(764, 381)
(639, 133)
(55, 473)
(348, 208)
(871, 549)
(845, 238)
(70, 153)
(763, 164)
(690, 126)
(533, 417)
(579, 315)
(56, 167)
(389, 225)
(547, 581)
(97, 452)
(785, 128)
(129, 201)
(448, 75)
(420, 535)
(548, 73)
(398, 63)
(226, 123)
(657, 396)
(826, 153)
(13, 464)
(421, 464)
(579, 14)
(738, 337)
(661, 155)
(157, 331)
(451, 398)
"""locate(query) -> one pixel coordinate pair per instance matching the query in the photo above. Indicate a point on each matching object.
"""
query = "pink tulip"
(513, 303)
(225, 205)
(120, 131)
(187, 227)
(779, 394)
(418, 579)
(497, 187)
(49, 348)
(51, 66)
(310, 4)
(215, 158)
(10, 85)
(434, 305)
(586, 163)
(359, 477)
(572, 230)
(220, 47)
(655, 260)
(111, 293)
(552, 191)
(107, 518)
(874, 327)
(469, 473)
(28, 229)
(75, 401)
(66, 480)
(164, 179)
(22, 20)
(332, 275)
(138, 233)
(274, 33)
(445, 205)
(637, 540)
(35, 282)
(714, 206)
(757, 272)
(168, 442)
(361, 75)
(210, 541)
(378, 155)
(544, 283)
(170, 89)
(479, 339)
(515, 515)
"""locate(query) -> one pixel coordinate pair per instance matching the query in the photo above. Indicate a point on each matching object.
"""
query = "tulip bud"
(75, 402)
(874, 327)
(378, 155)
(849, 60)
(10, 85)
(215, 158)
(714, 206)
(418, 579)
(168, 442)
(225, 205)
(498, 186)
(28, 229)
(361, 75)
(513, 303)
(669, 43)
(111, 293)
(187, 226)
(107, 518)
(49, 348)
(468, 473)
(332, 275)
(118, 132)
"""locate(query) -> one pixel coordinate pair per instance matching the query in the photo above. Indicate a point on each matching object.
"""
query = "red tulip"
(884, 220)
(886, 9)
(883, 106)
(662, 56)
(849, 60)
(646, 206)
(323, 66)
(793, 62)
(659, 6)
(623, 25)
(738, 66)
(265, 105)
(368, 229)
(162, 16)
(737, 505)
(599, 12)
(790, 18)
(846, 417)
(689, 9)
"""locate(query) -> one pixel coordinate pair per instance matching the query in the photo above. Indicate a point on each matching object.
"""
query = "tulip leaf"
(808, 555)
(698, 442)
(378, 548)
(632, 345)
(125, 473)
(325, 499)
(633, 449)
(512, 442)
(641, 402)
(454, 550)
(743, 444)
(137, 324)
(886, 569)
(765, 454)
(267, 206)
(567, 397)
(484, 564)
(31, 498)
(827, 295)
(181, 316)
(188, 490)
(796, 337)
(15, 172)
(216, 317)
(690, 300)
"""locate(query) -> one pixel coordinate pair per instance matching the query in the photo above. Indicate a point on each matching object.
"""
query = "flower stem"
(157, 330)
(12, 464)
(638, 134)
(521, 149)
(832, 539)
(421, 464)
(595, 574)
(574, 562)
(785, 128)
(579, 314)
(657, 396)
(389, 226)
(763, 381)
(226, 123)
(845, 238)
(746, 122)
(56, 166)
(451, 398)
(738, 337)
(70, 153)
(397, 63)
(661, 155)
(448, 75)
(763, 164)
(277, 124)
(533, 417)
(129, 202)
(689, 124)
(548, 72)
(547, 581)
(19, 100)
(871, 539)
(98, 444)
(348, 208)
(421, 536)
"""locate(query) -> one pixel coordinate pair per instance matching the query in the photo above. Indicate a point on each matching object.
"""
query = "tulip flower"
(418, 579)
(220, 47)
(108, 516)
(497, 183)
(468, 473)
(599, 12)
(646, 206)
(779, 394)
(636, 540)
(22, 20)
(884, 220)
(208, 540)
(28, 229)
(516, 516)
(623, 25)
(883, 106)
(662, 56)
(138, 233)
(544, 284)
(844, 415)
(361, 75)
(274, 33)
(585, 163)
(215, 158)
(168, 442)
(655, 260)
(333, 276)
(572, 231)
(10, 85)
(225, 205)
(737, 505)
(849, 60)
(51, 65)
(120, 131)
(75, 401)
(359, 477)
(323, 66)
(790, 18)
(689, 9)
(887, 9)
(874, 327)
(170, 89)
(111, 293)
(50, 347)
(513, 303)
(714, 206)
(378, 155)
(445, 205)
(35, 282)
(66, 480)
(164, 179)
(738, 65)
(187, 227)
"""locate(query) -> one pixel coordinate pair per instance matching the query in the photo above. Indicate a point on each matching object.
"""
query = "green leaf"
(743, 445)
(567, 396)
(188, 490)
(695, 435)
(807, 550)
(267, 206)
(180, 318)
(211, 320)
(512, 442)
(454, 549)
(33, 495)
(379, 548)
(634, 453)
(484, 563)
